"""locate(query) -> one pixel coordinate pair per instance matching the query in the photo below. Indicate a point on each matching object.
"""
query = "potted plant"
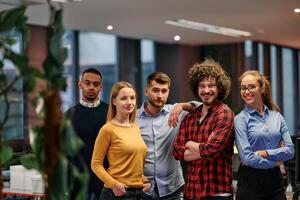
(54, 139)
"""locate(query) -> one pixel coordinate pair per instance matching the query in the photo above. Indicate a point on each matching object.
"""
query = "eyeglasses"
(250, 88)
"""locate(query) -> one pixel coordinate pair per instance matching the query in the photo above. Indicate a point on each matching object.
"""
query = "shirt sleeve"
(246, 154)
(285, 151)
(144, 179)
(179, 141)
(101, 146)
(221, 136)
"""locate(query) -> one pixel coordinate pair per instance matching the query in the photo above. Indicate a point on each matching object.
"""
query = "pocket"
(107, 194)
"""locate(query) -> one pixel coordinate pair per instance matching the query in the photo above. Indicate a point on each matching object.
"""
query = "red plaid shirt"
(212, 173)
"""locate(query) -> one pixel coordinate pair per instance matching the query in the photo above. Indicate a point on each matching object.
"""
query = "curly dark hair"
(210, 68)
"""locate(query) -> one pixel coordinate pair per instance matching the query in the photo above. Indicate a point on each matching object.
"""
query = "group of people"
(136, 153)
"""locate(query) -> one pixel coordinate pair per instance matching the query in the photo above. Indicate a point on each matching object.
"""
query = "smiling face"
(208, 91)
(125, 101)
(251, 91)
(157, 94)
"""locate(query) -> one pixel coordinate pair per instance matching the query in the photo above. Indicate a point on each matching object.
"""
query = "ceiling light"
(66, 1)
(60, 1)
(177, 37)
(110, 27)
(297, 10)
(207, 27)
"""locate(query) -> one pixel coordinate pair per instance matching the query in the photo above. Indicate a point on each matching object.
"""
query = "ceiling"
(271, 21)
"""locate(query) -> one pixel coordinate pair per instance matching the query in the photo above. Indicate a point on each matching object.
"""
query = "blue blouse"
(269, 132)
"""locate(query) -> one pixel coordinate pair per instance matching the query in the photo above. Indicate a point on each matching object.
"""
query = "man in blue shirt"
(162, 170)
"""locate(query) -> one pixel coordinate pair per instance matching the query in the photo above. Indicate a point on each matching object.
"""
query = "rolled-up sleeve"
(179, 141)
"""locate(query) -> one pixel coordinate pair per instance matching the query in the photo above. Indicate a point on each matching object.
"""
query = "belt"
(133, 189)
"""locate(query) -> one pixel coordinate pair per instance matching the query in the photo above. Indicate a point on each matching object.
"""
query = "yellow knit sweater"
(126, 153)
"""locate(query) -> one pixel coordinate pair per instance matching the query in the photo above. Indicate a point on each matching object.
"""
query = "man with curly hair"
(205, 138)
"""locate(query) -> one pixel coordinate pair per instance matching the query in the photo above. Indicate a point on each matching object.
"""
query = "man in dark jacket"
(87, 117)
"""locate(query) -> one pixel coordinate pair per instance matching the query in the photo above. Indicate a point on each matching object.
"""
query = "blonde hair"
(113, 94)
(263, 83)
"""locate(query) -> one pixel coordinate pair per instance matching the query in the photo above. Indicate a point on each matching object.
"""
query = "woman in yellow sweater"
(120, 140)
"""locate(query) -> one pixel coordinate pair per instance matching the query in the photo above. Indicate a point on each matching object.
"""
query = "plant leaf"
(71, 142)
(59, 189)
(79, 185)
(29, 161)
(6, 154)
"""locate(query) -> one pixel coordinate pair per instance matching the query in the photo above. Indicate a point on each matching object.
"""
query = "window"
(288, 89)
(14, 127)
(147, 60)
(68, 96)
(261, 58)
(98, 50)
(274, 73)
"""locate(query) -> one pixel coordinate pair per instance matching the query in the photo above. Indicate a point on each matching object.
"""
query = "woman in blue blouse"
(263, 141)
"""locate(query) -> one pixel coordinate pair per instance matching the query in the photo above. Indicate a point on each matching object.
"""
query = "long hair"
(113, 94)
(266, 85)
(210, 68)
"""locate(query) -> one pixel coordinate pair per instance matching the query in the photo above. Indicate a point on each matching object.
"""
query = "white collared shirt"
(90, 104)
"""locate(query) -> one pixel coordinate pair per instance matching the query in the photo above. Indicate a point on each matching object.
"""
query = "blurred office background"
(141, 39)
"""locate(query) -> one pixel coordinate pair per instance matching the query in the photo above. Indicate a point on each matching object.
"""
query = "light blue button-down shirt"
(160, 166)
(254, 132)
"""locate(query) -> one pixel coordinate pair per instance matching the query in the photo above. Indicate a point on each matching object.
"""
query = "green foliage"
(28, 73)
(38, 147)
(6, 154)
(70, 144)
(15, 19)
(53, 65)
(79, 179)
(59, 190)
(29, 161)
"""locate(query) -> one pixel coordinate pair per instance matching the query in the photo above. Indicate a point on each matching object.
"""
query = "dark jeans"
(174, 196)
(214, 198)
(219, 198)
(131, 194)
(93, 196)
(260, 184)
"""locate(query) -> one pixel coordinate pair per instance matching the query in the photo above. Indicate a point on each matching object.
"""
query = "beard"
(91, 98)
(208, 101)
(157, 103)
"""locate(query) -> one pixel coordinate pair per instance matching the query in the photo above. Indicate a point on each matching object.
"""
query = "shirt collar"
(251, 110)
(89, 104)
(165, 110)
(213, 107)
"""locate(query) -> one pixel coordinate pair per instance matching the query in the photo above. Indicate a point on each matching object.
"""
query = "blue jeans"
(131, 194)
(173, 196)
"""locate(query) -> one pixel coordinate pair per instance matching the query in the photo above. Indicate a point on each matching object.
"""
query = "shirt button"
(266, 129)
